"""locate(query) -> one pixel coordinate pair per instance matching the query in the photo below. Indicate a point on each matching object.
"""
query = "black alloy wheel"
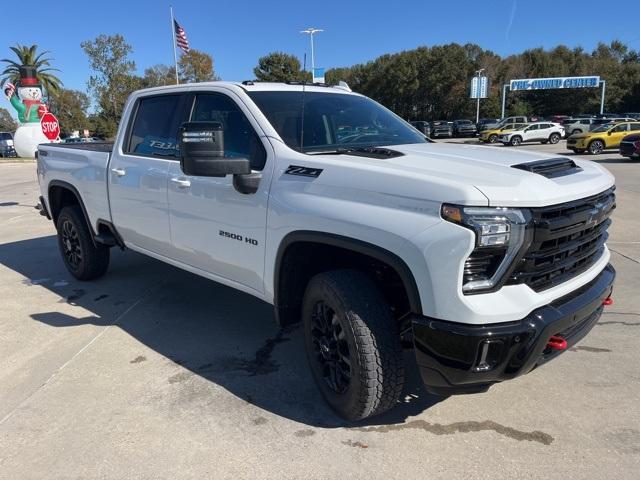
(331, 348)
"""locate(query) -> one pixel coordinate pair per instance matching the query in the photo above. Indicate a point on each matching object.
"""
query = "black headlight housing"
(502, 237)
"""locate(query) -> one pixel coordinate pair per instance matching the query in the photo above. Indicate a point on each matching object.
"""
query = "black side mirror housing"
(202, 151)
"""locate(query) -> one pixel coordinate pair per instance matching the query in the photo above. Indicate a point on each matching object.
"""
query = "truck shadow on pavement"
(217, 333)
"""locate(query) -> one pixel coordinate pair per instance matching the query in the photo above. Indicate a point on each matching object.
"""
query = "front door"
(138, 174)
(214, 227)
(530, 133)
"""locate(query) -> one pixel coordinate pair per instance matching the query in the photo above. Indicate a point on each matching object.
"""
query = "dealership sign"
(556, 82)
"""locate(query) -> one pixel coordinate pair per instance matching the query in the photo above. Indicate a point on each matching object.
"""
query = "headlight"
(501, 235)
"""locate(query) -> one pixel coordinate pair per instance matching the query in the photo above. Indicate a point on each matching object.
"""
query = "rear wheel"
(84, 259)
(515, 140)
(554, 138)
(596, 147)
(352, 344)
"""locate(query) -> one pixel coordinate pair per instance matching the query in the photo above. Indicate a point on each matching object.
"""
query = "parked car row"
(446, 129)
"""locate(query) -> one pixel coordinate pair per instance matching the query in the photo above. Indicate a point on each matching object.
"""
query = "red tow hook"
(607, 301)
(556, 342)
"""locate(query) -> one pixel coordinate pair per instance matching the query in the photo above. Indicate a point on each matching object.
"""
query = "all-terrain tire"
(84, 259)
(363, 319)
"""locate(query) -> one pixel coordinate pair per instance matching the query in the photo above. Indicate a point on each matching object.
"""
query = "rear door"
(544, 130)
(616, 134)
(138, 173)
(214, 227)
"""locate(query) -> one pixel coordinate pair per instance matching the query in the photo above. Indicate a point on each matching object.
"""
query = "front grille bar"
(568, 239)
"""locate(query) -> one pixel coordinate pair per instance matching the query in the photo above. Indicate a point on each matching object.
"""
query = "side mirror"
(202, 151)
(609, 132)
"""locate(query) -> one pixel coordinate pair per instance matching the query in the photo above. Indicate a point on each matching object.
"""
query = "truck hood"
(490, 170)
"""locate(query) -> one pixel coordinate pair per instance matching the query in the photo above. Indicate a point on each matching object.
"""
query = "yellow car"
(604, 137)
(491, 136)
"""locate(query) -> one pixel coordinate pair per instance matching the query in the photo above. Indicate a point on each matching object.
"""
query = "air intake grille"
(568, 239)
(556, 167)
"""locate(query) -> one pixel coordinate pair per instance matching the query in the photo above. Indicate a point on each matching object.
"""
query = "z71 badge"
(303, 171)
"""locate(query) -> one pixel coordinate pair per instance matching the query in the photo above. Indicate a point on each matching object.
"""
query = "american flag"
(181, 37)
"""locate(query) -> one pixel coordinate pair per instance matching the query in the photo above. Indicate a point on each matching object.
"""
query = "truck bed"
(81, 166)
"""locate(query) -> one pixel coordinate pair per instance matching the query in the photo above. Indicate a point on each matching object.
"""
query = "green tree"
(7, 122)
(278, 67)
(70, 107)
(196, 66)
(112, 80)
(159, 76)
(29, 56)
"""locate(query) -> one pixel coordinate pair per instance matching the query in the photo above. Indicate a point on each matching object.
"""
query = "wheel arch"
(62, 194)
(290, 279)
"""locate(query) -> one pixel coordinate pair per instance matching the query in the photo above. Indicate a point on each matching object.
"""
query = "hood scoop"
(553, 168)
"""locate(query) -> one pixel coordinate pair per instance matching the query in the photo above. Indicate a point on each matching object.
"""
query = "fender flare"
(74, 190)
(355, 245)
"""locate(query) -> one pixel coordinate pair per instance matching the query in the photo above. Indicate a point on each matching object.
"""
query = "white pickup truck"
(485, 261)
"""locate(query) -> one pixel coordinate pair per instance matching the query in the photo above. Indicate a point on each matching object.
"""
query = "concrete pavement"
(151, 372)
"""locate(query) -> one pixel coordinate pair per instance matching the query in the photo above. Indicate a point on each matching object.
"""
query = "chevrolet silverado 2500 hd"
(487, 262)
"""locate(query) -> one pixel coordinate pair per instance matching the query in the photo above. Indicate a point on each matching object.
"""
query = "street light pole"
(310, 31)
(478, 90)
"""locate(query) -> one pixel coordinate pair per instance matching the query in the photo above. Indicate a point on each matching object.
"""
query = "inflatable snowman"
(28, 103)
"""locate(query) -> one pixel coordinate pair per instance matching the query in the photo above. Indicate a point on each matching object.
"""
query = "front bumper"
(458, 358)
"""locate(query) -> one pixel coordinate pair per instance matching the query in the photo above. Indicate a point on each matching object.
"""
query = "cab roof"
(255, 86)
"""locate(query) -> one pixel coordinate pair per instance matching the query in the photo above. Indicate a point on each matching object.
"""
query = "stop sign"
(50, 126)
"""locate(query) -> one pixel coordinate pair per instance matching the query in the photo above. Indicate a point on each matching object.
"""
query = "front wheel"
(554, 138)
(84, 259)
(515, 141)
(596, 147)
(353, 344)
(493, 138)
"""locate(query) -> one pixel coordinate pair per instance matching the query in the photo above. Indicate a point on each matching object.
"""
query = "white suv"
(543, 132)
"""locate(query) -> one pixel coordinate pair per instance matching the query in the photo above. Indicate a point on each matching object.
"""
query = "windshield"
(333, 121)
(603, 128)
(5, 136)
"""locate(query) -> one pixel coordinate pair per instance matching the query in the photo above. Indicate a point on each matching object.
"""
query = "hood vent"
(555, 167)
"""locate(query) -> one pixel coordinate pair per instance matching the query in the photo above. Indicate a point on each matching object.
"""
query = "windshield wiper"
(369, 151)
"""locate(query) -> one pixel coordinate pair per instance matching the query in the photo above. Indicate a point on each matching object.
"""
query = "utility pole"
(311, 31)
(478, 91)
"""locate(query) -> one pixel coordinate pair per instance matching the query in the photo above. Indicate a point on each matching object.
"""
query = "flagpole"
(173, 40)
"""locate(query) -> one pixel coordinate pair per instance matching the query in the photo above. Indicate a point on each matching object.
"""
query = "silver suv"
(578, 125)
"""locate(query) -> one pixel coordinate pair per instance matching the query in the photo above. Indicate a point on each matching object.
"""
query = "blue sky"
(237, 33)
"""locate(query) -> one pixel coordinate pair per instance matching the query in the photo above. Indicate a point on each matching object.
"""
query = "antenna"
(304, 83)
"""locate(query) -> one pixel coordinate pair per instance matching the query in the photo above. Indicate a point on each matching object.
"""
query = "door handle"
(119, 171)
(181, 182)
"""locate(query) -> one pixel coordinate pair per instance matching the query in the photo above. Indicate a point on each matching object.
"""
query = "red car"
(630, 146)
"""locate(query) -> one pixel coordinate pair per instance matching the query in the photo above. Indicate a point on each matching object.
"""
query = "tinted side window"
(621, 128)
(240, 139)
(635, 127)
(532, 128)
(155, 128)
